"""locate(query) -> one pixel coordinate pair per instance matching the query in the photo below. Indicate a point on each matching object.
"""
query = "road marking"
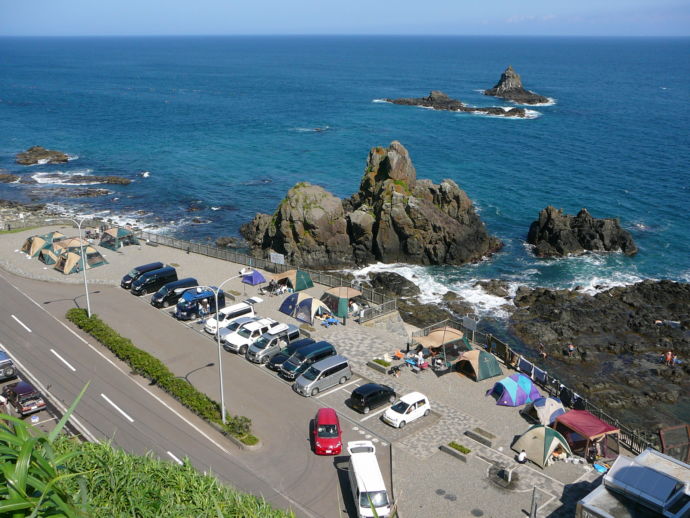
(21, 323)
(117, 408)
(45, 421)
(174, 458)
(336, 389)
(374, 414)
(63, 360)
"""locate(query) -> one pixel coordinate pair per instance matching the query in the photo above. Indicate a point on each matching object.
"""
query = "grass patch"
(381, 361)
(459, 447)
(150, 367)
(250, 440)
(16, 230)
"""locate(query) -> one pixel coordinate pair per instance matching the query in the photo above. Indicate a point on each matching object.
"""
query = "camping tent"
(539, 442)
(253, 278)
(291, 302)
(47, 256)
(478, 364)
(544, 410)
(309, 308)
(70, 262)
(116, 237)
(337, 299)
(34, 244)
(68, 244)
(298, 280)
(584, 431)
(515, 390)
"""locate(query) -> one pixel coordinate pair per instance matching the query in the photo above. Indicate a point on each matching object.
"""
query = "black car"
(371, 395)
(137, 272)
(285, 353)
(24, 398)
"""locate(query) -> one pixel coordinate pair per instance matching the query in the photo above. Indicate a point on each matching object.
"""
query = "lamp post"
(79, 223)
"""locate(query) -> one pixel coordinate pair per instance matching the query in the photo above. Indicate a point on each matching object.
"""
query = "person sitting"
(522, 457)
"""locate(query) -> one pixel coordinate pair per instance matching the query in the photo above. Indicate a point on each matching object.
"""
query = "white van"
(366, 481)
(239, 341)
(227, 315)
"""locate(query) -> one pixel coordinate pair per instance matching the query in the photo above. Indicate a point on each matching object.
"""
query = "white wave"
(529, 114)
(215, 208)
(71, 157)
(42, 161)
(56, 177)
(431, 289)
(313, 130)
(381, 101)
(483, 303)
(594, 285)
(145, 174)
(551, 102)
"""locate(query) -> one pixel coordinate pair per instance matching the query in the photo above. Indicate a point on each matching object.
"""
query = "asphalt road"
(139, 418)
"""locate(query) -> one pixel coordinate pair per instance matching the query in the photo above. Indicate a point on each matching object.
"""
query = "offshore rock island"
(510, 88)
(40, 155)
(394, 217)
(440, 101)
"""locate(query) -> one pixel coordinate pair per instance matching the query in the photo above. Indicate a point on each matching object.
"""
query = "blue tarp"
(253, 278)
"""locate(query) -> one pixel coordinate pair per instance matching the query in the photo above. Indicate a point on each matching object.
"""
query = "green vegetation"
(383, 362)
(146, 365)
(403, 184)
(15, 230)
(459, 447)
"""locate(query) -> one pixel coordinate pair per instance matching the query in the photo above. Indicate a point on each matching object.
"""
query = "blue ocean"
(213, 129)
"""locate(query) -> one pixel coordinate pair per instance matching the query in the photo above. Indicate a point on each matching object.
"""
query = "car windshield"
(400, 407)
(183, 303)
(375, 498)
(163, 291)
(262, 342)
(133, 273)
(29, 398)
(327, 431)
(311, 374)
(244, 332)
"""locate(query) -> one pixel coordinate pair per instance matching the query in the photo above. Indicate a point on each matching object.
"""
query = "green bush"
(459, 447)
(156, 371)
(383, 362)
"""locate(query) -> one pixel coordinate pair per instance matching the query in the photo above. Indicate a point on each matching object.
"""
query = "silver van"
(323, 375)
(272, 342)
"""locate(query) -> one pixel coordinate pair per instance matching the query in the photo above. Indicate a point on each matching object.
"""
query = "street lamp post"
(79, 223)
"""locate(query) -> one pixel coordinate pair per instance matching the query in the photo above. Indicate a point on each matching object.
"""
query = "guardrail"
(633, 440)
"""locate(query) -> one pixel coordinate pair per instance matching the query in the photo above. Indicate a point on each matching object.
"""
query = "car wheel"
(166, 304)
(314, 391)
(264, 360)
(194, 316)
(391, 398)
(426, 412)
(402, 424)
(342, 380)
(243, 350)
(9, 372)
(365, 410)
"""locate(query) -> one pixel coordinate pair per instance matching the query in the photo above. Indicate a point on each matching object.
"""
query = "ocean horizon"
(214, 129)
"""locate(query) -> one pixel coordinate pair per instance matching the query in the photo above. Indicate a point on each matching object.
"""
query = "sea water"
(212, 130)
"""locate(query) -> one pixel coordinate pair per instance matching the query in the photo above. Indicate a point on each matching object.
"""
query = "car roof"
(316, 346)
(329, 362)
(413, 397)
(302, 342)
(181, 282)
(368, 388)
(149, 266)
(327, 416)
(23, 387)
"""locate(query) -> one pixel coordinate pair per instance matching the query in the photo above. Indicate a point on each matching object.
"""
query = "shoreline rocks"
(510, 87)
(556, 234)
(40, 155)
(440, 101)
(394, 217)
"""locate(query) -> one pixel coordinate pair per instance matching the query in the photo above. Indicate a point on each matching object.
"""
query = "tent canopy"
(515, 390)
(344, 292)
(34, 244)
(585, 424)
(479, 364)
(253, 278)
(338, 299)
(70, 262)
(68, 243)
(291, 302)
(298, 280)
(539, 443)
(309, 308)
(545, 410)
(47, 256)
(439, 337)
(116, 237)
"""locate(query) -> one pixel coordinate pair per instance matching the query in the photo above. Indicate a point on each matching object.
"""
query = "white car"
(408, 408)
(235, 325)
(239, 341)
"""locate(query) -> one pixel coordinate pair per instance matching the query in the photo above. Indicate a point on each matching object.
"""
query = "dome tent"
(544, 410)
(253, 278)
(34, 244)
(298, 280)
(117, 237)
(539, 442)
(338, 299)
(309, 308)
(478, 364)
(291, 302)
(515, 390)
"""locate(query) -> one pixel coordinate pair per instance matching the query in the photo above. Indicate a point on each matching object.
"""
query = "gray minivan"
(323, 375)
(152, 281)
(271, 342)
(302, 359)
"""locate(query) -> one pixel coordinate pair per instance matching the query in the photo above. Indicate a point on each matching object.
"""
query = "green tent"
(117, 237)
(48, 256)
(298, 280)
(539, 443)
(478, 364)
(70, 261)
(338, 299)
(34, 244)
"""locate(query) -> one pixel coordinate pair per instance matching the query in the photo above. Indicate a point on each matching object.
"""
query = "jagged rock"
(392, 218)
(8, 178)
(440, 101)
(394, 284)
(556, 234)
(38, 154)
(494, 287)
(82, 178)
(510, 87)
(226, 241)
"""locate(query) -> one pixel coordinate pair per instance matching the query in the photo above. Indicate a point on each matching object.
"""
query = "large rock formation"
(440, 101)
(392, 218)
(510, 87)
(556, 234)
(41, 155)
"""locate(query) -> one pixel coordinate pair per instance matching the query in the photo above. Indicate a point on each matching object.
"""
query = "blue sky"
(453, 17)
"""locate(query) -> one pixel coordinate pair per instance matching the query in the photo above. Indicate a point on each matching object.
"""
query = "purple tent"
(253, 278)
(515, 390)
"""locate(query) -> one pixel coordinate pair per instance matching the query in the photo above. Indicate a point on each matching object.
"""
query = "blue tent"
(291, 302)
(515, 390)
(253, 278)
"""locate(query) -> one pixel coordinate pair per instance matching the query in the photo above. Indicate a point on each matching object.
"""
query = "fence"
(633, 440)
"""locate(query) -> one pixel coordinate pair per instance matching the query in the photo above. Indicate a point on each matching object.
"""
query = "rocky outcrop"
(392, 218)
(88, 179)
(41, 155)
(556, 234)
(8, 178)
(510, 87)
(440, 101)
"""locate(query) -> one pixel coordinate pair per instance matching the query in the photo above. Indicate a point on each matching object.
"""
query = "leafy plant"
(459, 447)
(381, 361)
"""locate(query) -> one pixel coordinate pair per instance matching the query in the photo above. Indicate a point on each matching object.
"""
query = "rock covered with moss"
(41, 155)
(392, 218)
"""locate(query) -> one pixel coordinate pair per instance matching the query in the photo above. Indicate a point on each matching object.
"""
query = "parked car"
(227, 315)
(171, 292)
(327, 434)
(7, 368)
(188, 307)
(370, 396)
(240, 341)
(277, 361)
(150, 282)
(272, 342)
(408, 408)
(301, 360)
(24, 398)
(137, 272)
(323, 375)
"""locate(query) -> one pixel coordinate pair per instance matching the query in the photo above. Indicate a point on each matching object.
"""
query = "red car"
(328, 438)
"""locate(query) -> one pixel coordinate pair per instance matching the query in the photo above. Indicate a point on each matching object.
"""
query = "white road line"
(117, 408)
(374, 414)
(336, 388)
(63, 360)
(350, 383)
(174, 458)
(45, 420)
(21, 323)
